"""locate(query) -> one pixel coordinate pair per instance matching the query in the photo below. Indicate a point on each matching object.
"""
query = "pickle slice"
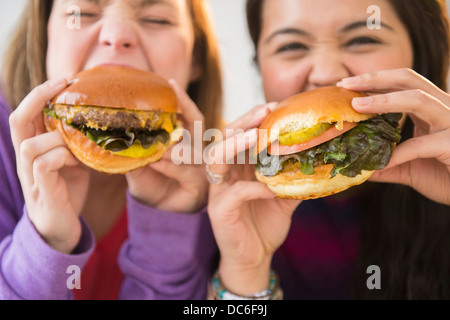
(291, 138)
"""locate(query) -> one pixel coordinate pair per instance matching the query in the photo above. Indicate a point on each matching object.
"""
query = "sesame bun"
(305, 110)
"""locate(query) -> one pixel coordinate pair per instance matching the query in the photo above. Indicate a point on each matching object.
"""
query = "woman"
(134, 236)
(327, 248)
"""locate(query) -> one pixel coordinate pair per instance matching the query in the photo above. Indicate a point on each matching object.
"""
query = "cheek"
(281, 80)
(63, 56)
(171, 57)
(389, 59)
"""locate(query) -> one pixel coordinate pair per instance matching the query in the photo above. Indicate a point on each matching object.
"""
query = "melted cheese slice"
(137, 151)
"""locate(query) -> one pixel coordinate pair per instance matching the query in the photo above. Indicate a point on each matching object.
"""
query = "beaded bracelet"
(274, 291)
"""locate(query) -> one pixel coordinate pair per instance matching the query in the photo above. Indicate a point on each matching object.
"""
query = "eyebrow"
(362, 24)
(145, 3)
(293, 31)
(299, 32)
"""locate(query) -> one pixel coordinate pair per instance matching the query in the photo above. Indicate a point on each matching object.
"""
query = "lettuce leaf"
(119, 140)
(368, 146)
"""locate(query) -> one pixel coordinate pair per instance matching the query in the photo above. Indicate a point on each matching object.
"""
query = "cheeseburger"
(315, 144)
(115, 119)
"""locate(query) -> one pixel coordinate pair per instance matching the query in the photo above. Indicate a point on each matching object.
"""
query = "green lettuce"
(118, 140)
(368, 146)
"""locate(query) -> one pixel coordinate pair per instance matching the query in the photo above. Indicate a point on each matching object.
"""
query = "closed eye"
(156, 21)
(360, 41)
(292, 47)
(89, 14)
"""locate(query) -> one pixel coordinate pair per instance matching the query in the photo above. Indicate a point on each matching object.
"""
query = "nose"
(119, 35)
(326, 70)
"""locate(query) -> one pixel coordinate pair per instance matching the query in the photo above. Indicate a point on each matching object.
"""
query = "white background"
(241, 79)
(242, 82)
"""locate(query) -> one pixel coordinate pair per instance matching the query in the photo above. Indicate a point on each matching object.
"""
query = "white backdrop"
(242, 82)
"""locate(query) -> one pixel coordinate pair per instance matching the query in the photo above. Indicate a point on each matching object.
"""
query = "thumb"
(242, 191)
(190, 111)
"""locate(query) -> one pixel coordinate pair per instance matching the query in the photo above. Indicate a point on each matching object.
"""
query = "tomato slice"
(331, 133)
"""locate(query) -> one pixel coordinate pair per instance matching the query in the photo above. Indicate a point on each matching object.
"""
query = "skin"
(157, 37)
(305, 45)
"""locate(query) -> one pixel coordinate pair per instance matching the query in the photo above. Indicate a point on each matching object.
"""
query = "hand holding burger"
(120, 120)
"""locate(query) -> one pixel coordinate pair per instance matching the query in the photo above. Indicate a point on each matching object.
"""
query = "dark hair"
(24, 64)
(404, 233)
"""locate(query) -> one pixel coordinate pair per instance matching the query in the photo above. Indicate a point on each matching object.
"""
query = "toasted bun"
(119, 87)
(295, 185)
(89, 153)
(304, 110)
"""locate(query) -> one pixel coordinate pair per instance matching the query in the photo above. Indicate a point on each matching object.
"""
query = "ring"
(215, 178)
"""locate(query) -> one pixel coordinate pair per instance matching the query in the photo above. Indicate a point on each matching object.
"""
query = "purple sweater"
(167, 255)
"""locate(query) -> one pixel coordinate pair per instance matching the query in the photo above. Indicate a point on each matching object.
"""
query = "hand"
(249, 223)
(175, 188)
(422, 162)
(54, 183)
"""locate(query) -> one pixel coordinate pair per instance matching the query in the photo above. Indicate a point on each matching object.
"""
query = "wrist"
(64, 243)
(245, 280)
(272, 292)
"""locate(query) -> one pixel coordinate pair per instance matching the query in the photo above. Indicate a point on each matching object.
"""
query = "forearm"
(30, 269)
(167, 255)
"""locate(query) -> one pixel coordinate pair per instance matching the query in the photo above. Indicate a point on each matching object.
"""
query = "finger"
(168, 169)
(32, 148)
(46, 167)
(251, 119)
(27, 120)
(416, 102)
(220, 155)
(243, 191)
(191, 113)
(393, 80)
(288, 205)
(436, 145)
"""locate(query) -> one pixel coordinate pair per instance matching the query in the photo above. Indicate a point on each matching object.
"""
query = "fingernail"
(57, 82)
(362, 102)
(261, 114)
(339, 84)
(350, 81)
(272, 106)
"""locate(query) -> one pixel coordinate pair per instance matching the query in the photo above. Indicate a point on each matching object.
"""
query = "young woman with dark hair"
(398, 222)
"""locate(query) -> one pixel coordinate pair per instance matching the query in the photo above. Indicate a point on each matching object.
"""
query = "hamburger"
(315, 144)
(115, 119)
